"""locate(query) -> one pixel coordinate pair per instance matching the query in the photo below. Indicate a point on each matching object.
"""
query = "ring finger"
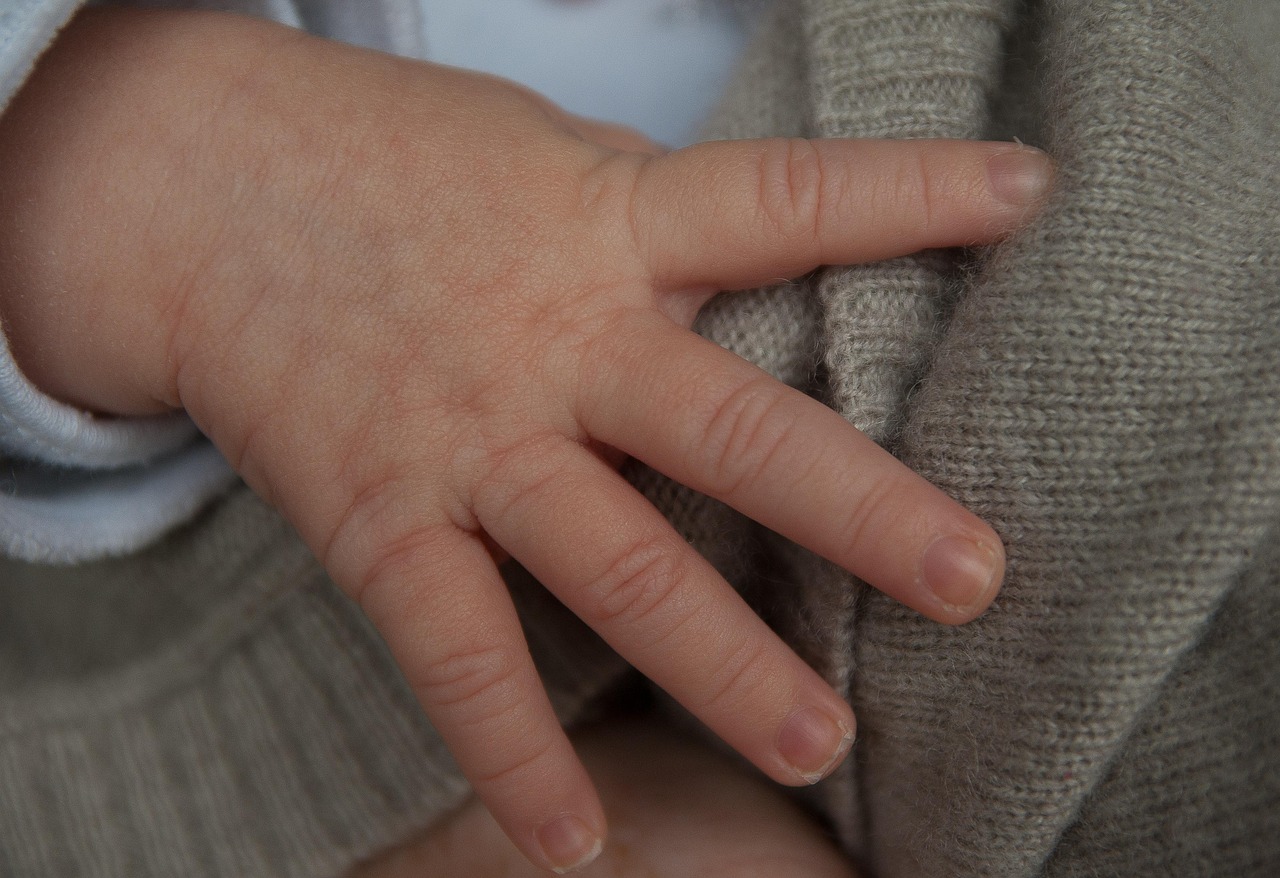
(616, 562)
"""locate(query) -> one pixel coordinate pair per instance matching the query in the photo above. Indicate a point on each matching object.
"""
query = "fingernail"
(813, 743)
(1020, 175)
(568, 844)
(960, 571)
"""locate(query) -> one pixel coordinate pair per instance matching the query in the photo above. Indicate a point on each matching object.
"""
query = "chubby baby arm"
(413, 306)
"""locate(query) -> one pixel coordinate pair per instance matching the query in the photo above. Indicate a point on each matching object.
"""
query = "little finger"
(455, 634)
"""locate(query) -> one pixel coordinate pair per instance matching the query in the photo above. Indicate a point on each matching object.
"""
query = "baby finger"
(714, 422)
(616, 562)
(463, 653)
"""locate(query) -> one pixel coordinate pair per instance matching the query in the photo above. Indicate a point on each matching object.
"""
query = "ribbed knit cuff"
(216, 707)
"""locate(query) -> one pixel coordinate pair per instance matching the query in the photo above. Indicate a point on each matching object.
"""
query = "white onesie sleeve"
(74, 486)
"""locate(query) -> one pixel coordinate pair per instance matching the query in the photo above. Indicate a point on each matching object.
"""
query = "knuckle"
(370, 503)
(913, 195)
(793, 181)
(481, 680)
(610, 194)
(515, 770)
(641, 584)
(867, 517)
(615, 352)
(739, 675)
(744, 435)
(635, 141)
(395, 561)
(504, 486)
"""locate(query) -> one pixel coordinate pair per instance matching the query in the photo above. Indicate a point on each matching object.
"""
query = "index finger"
(735, 214)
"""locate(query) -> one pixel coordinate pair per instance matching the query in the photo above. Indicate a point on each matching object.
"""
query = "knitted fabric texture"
(1103, 389)
(216, 707)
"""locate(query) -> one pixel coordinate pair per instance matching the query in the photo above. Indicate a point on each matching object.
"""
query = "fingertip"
(962, 573)
(563, 832)
(570, 843)
(813, 741)
(1020, 176)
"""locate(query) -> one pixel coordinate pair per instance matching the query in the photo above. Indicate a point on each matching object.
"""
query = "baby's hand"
(416, 307)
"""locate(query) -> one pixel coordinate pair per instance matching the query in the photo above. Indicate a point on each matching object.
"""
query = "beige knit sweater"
(1104, 389)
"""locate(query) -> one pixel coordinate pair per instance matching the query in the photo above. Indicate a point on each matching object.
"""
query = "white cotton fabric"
(58, 515)
(26, 27)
